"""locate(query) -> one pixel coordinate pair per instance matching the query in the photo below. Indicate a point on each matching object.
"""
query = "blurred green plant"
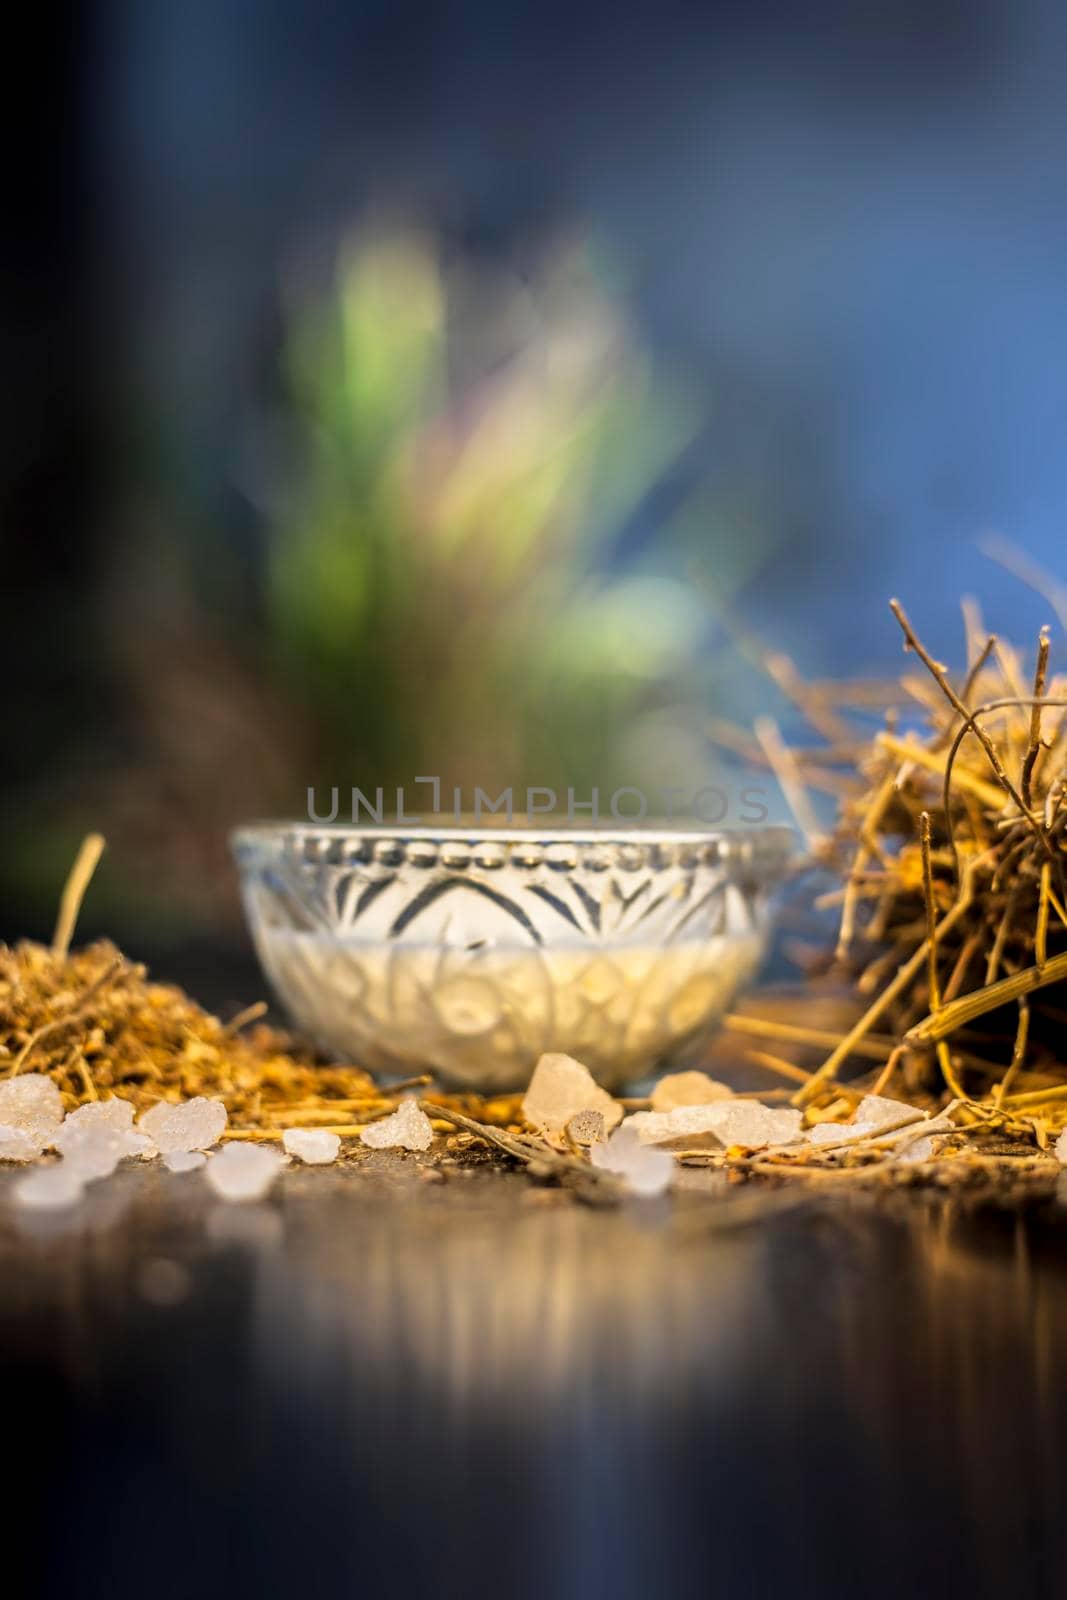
(447, 584)
(440, 581)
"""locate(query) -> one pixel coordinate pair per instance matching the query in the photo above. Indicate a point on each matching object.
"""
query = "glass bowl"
(469, 952)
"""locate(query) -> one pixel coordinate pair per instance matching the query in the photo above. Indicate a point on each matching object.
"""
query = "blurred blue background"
(802, 266)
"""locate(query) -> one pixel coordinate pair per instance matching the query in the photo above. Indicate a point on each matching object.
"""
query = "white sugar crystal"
(919, 1149)
(1060, 1148)
(876, 1111)
(750, 1123)
(832, 1132)
(102, 1120)
(31, 1104)
(113, 1113)
(31, 1097)
(723, 1122)
(875, 1118)
(17, 1144)
(407, 1129)
(873, 1113)
(94, 1154)
(192, 1125)
(96, 1137)
(313, 1145)
(184, 1160)
(50, 1187)
(688, 1089)
(879, 1117)
(925, 1146)
(559, 1088)
(243, 1171)
(647, 1171)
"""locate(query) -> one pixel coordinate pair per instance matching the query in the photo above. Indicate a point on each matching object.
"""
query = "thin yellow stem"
(78, 879)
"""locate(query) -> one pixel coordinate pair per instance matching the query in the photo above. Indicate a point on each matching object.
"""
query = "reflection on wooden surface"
(479, 1382)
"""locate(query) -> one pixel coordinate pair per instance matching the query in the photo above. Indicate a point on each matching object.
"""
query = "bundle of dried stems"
(948, 856)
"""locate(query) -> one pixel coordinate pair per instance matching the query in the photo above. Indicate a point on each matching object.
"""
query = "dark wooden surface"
(377, 1384)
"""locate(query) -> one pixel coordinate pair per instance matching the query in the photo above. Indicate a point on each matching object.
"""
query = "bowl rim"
(768, 838)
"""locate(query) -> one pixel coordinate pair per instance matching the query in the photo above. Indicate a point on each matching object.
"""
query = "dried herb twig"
(525, 1148)
(85, 863)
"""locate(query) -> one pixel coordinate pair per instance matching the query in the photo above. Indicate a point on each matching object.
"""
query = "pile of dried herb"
(96, 1025)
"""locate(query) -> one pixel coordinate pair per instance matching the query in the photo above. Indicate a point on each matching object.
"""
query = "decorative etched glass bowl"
(470, 952)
